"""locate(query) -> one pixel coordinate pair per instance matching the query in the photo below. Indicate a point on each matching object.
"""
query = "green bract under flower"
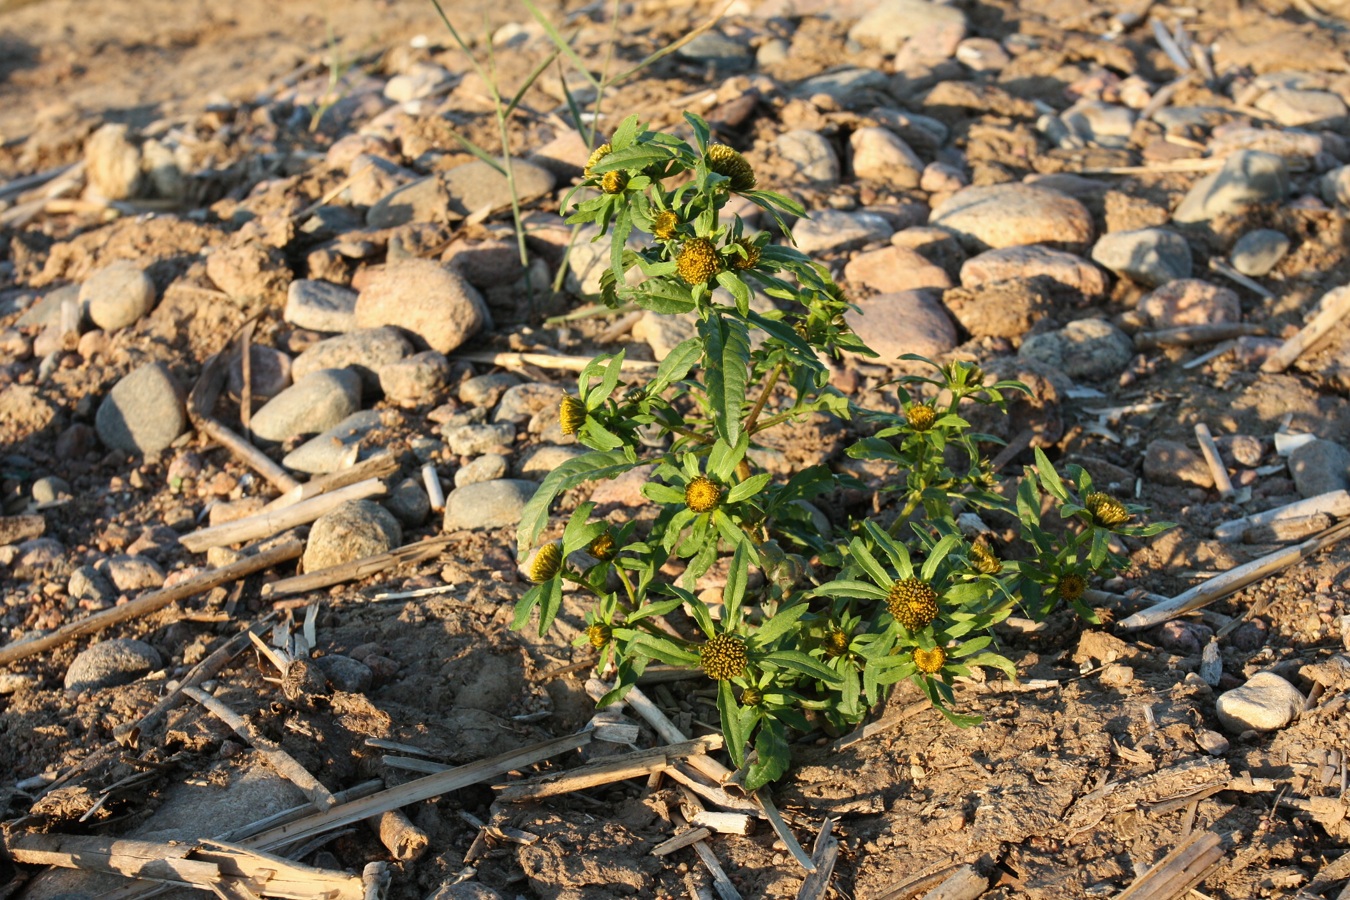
(547, 563)
(1106, 510)
(728, 161)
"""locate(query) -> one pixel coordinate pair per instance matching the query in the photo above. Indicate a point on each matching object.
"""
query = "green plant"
(835, 620)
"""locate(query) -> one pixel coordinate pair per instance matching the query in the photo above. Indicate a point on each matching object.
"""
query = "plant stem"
(763, 398)
(627, 586)
(903, 519)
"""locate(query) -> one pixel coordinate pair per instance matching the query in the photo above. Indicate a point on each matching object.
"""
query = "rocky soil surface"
(215, 222)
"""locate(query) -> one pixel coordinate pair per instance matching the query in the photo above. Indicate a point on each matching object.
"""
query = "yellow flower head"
(603, 547)
(749, 260)
(835, 643)
(751, 697)
(614, 182)
(599, 635)
(1072, 586)
(913, 603)
(600, 153)
(984, 560)
(547, 563)
(921, 416)
(698, 262)
(702, 494)
(664, 225)
(1107, 511)
(571, 414)
(723, 657)
(727, 161)
(930, 662)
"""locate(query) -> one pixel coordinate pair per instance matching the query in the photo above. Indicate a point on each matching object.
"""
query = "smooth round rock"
(879, 155)
(476, 185)
(49, 488)
(1010, 215)
(473, 440)
(111, 663)
(808, 155)
(313, 404)
(365, 351)
(423, 200)
(1021, 263)
(1151, 256)
(408, 502)
(1084, 349)
(903, 322)
(1002, 309)
(88, 583)
(418, 379)
(890, 24)
(143, 413)
(113, 163)
(833, 230)
(1190, 301)
(1265, 703)
(1259, 251)
(715, 49)
(485, 390)
(320, 305)
(893, 269)
(520, 403)
(1319, 467)
(488, 467)
(487, 504)
(846, 88)
(134, 573)
(432, 302)
(269, 372)
(1247, 178)
(1294, 108)
(332, 450)
(344, 673)
(117, 295)
(354, 530)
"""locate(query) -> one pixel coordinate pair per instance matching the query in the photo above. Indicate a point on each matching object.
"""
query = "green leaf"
(807, 665)
(675, 366)
(724, 458)
(651, 610)
(598, 437)
(937, 555)
(779, 624)
(749, 487)
(618, 241)
(774, 755)
(1050, 478)
(579, 531)
(525, 605)
(550, 601)
(858, 550)
(665, 650)
(856, 589)
(896, 551)
(730, 713)
(594, 466)
(733, 283)
(726, 355)
(701, 131)
(734, 592)
(702, 617)
(662, 493)
(625, 134)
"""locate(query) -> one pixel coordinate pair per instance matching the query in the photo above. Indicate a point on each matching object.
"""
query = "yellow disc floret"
(600, 153)
(698, 261)
(835, 643)
(614, 182)
(702, 494)
(930, 662)
(921, 416)
(751, 697)
(749, 260)
(571, 414)
(547, 563)
(727, 161)
(603, 547)
(664, 225)
(599, 634)
(913, 603)
(723, 657)
(984, 560)
(1072, 586)
(1106, 510)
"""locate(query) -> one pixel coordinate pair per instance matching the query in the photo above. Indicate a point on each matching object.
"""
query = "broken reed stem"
(1185, 335)
(381, 465)
(284, 764)
(1335, 305)
(1178, 871)
(1233, 580)
(824, 853)
(404, 840)
(155, 600)
(1222, 482)
(356, 569)
(266, 524)
(1333, 503)
(607, 771)
(548, 361)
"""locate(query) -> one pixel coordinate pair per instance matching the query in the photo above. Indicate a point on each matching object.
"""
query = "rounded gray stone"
(1247, 178)
(1010, 215)
(117, 295)
(1085, 349)
(1319, 467)
(269, 372)
(520, 403)
(320, 305)
(488, 467)
(880, 155)
(487, 504)
(408, 502)
(424, 200)
(418, 379)
(434, 303)
(88, 583)
(833, 230)
(890, 24)
(486, 390)
(808, 155)
(344, 673)
(354, 530)
(111, 663)
(1259, 251)
(1151, 256)
(1265, 703)
(312, 405)
(366, 352)
(476, 185)
(133, 573)
(49, 488)
(903, 322)
(1173, 463)
(143, 413)
(113, 163)
(473, 440)
(331, 450)
(1020, 263)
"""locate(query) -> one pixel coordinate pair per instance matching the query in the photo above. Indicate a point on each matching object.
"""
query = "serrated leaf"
(1049, 477)
(726, 354)
(749, 487)
(779, 624)
(676, 365)
(739, 291)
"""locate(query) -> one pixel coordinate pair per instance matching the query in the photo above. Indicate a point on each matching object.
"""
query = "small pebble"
(1266, 702)
(1258, 252)
(111, 663)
